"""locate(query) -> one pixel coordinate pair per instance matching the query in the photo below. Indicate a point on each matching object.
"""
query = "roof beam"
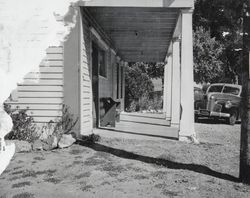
(139, 3)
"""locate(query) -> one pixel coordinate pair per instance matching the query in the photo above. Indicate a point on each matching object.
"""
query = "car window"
(215, 88)
(231, 90)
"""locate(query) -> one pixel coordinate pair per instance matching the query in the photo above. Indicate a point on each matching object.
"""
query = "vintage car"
(220, 101)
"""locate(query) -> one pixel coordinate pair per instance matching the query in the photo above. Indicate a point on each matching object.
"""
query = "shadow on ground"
(159, 161)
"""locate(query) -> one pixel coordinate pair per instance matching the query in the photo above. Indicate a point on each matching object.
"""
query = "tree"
(207, 53)
(245, 102)
(137, 83)
(153, 70)
(223, 18)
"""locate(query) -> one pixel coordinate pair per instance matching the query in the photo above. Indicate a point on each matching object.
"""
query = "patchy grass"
(14, 178)
(77, 162)
(53, 180)
(29, 173)
(39, 158)
(18, 167)
(87, 188)
(17, 172)
(170, 193)
(24, 195)
(76, 152)
(83, 175)
(140, 177)
(94, 161)
(132, 168)
(21, 184)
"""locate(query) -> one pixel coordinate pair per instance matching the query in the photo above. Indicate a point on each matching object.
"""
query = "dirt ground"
(132, 168)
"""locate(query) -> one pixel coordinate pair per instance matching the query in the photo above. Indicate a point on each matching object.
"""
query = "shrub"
(23, 127)
(63, 126)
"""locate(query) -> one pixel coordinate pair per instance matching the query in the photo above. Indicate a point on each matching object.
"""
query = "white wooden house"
(89, 64)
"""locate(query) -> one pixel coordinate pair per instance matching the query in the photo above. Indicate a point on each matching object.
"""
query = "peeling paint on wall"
(27, 28)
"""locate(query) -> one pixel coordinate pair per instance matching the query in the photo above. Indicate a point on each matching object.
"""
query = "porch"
(140, 126)
(109, 35)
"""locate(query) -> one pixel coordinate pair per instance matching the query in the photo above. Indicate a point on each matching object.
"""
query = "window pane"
(231, 90)
(215, 88)
(102, 63)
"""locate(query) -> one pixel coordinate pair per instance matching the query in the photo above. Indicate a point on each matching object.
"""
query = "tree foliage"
(207, 53)
(137, 82)
(223, 18)
(153, 70)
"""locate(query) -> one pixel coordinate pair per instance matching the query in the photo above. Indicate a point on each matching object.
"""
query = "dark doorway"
(95, 84)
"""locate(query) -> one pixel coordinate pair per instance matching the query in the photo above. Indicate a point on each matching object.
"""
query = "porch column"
(187, 131)
(175, 109)
(168, 87)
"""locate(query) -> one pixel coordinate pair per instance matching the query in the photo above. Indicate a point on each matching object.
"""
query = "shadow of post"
(159, 161)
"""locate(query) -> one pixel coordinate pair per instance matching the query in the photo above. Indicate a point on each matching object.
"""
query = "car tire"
(232, 119)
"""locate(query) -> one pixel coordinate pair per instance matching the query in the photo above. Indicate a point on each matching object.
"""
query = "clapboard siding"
(44, 113)
(54, 57)
(41, 92)
(40, 88)
(40, 75)
(55, 50)
(41, 82)
(40, 100)
(37, 106)
(54, 63)
(51, 69)
(46, 119)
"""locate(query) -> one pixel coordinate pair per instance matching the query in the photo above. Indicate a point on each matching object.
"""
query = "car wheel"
(232, 119)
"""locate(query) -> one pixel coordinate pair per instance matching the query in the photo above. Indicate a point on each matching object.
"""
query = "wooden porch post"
(187, 131)
(167, 101)
(175, 109)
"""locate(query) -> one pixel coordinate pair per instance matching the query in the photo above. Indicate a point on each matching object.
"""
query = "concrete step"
(147, 129)
(154, 119)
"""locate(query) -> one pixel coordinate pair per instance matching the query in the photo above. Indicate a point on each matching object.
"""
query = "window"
(215, 88)
(102, 63)
(231, 90)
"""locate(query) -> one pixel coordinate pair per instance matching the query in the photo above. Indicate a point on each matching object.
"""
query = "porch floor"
(140, 126)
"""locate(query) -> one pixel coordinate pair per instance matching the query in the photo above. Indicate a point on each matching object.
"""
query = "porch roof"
(138, 33)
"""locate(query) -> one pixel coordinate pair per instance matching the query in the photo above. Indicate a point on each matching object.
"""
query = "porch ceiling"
(138, 34)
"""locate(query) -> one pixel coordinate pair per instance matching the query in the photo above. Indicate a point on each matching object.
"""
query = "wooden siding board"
(54, 50)
(51, 69)
(37, 106)
(55, 63)
(42, 82)
(54, 57)
(46, 119)
(39, 75)
(40, 94)
(44, 113)
(40, 100)
(23, 88)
